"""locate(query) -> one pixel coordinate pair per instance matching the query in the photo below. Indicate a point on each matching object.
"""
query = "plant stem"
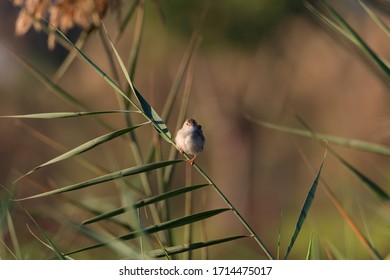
(234, 210)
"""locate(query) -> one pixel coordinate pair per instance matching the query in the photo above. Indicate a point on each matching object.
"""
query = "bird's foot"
(191, 161)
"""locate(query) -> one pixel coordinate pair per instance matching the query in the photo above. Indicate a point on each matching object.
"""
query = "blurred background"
(270, 59)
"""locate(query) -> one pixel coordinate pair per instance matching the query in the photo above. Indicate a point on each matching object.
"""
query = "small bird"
(190, 139)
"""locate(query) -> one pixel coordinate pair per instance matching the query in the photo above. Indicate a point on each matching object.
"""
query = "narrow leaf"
(84, 147)
(346, 30)
(105, 178)
(47, 245)
(375, 188)
(148, 110)
(310, 248)
(138, 31)
(378, 20)
(331, 251)
(365, 242)
(60, 148)
(112, 83)
(13, 235)
(54, 247)
(63, 115)
(152, 115)
(362, 238)
(305, 209)
(105, 237)
(126, 20)
(193, 246)
(346, 142)
(160, 227)
(67, 97)
(180, 75)
(64, 67)
(143, 203)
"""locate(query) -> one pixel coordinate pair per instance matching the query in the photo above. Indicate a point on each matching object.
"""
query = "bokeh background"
(270, 59)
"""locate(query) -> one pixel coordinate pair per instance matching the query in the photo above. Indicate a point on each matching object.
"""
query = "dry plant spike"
(64, 15)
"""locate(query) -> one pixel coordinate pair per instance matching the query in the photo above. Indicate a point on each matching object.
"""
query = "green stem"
(234, 210)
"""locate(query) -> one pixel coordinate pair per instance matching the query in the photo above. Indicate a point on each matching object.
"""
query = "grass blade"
(160, 227)
(105, 178)
(47, 245)
(144, 202)
(375, 188)
(126, 20)
(343, 28)
(81, 40)
(118, 246)
(365, 242)
(152, 115)
(53, 246)
(305, 209)
(309, 254)
(13, 236)
(97, 69)
(279, 235)
(331, 251)
(138, 31)
(148, 110)
(234, 210)
(378, 20)
(6, 218)
(93, 167)
(346, 142)
(180, 75)
(193, 246)
(64, 115)
(362, 238)
(84, 147)
(67, 97)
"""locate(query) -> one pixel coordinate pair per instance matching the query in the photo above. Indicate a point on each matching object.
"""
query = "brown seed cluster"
(63, 14)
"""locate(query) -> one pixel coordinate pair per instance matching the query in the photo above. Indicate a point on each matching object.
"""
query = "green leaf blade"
(160, 227)
(341, 141)
(63, 115)
(143, 203)
(375, 188)
(305, 210)
(105, 178)
(148, 110)
(84, 147)
(309, 255)
(193, 246)
(344, 29)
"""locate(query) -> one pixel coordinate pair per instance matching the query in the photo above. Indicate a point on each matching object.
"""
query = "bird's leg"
(181, 151)
(191, 161)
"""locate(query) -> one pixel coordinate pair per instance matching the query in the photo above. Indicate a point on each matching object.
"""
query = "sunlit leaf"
(63, 115)
(105, 178)
(193, 246)
(160, 227)
(84, 147)
(143, 203)
(341, 141)
(148, 110)
(344, 29)
(309, 254)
